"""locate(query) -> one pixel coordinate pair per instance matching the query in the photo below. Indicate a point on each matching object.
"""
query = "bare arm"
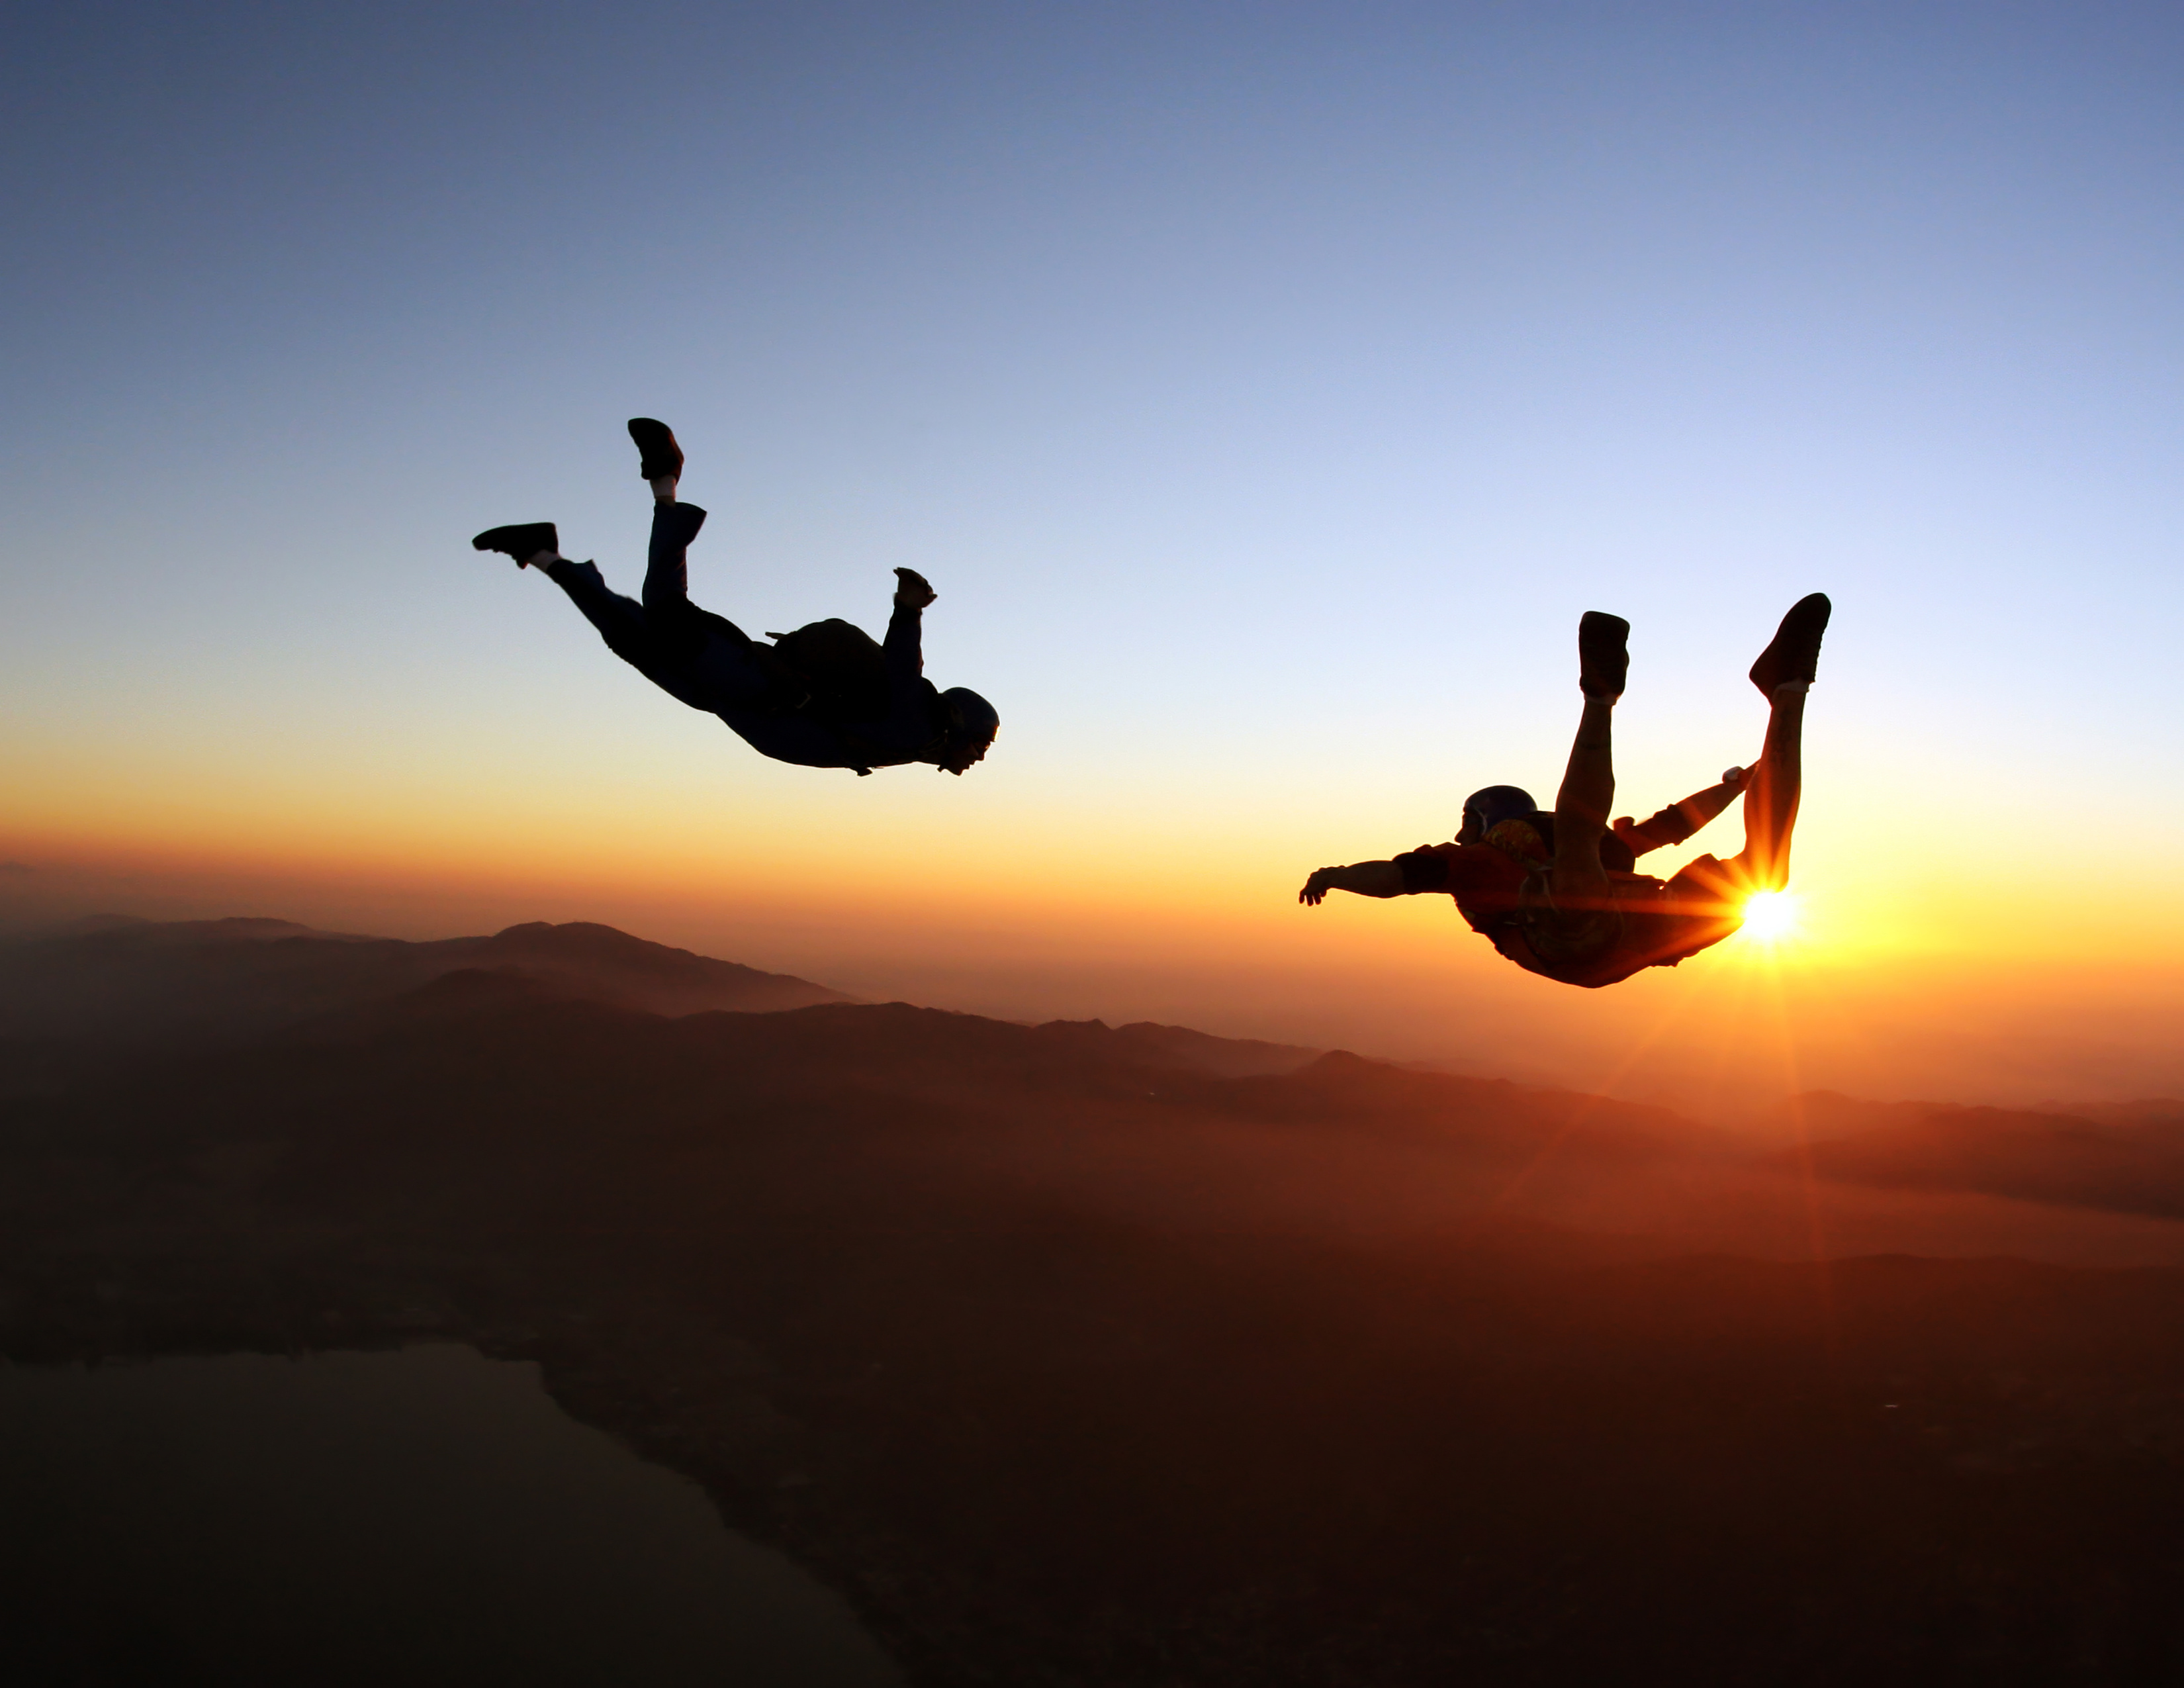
(1679, 821)
(1365, 878)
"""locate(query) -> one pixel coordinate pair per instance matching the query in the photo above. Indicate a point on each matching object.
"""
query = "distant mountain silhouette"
(2126, 1157)
(2166, 1112)
(1159, 1045)
(183, 983)
(1334, 1139)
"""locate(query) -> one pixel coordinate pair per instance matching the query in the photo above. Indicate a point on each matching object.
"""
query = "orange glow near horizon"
(1043, 927)
(1038, 892)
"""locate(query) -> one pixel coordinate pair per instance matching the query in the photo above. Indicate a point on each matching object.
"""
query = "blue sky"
(1267, 388)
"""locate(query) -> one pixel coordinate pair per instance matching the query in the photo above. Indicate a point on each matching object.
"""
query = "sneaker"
(521, 540)
(1602, 662)
(1795, 653)
(659, 457)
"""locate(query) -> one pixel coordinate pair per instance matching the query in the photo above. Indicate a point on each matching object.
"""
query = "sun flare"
(1770, 917)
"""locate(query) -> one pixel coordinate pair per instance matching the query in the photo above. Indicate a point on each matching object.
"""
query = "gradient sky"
(1265, 388)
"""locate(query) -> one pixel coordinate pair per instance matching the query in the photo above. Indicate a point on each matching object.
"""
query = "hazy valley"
(1082, 1354)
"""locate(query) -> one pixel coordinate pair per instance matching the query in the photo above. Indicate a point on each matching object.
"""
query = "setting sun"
(1770, 917)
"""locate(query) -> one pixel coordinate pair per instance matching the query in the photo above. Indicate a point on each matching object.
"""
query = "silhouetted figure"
(1558, 894)
(826, 696)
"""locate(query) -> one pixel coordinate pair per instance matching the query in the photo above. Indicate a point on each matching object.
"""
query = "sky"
(1266, 389)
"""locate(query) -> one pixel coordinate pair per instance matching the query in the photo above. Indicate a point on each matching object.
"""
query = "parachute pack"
(841, 663)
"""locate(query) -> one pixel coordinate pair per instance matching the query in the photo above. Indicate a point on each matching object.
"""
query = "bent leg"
(1582, 805)
(1770, 800)
(632, 634)
(667, 559)
(621, 621)
(712, 658)
(1587, 796)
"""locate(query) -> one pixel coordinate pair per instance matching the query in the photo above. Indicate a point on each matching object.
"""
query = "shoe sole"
(658, 455)
(1794, 652)
(552, 540)
(1603, 653)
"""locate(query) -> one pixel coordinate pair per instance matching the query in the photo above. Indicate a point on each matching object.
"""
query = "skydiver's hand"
(912, 591)
(1321, 882)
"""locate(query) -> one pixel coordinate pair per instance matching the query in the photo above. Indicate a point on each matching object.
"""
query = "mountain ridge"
(179, 983)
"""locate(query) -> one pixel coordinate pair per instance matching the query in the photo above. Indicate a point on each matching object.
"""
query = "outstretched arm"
(1365, 878)
(1679, 821)
(904, 646)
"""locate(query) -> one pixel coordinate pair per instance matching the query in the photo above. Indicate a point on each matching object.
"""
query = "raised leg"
(667, 559)
(1770, 800)
(1782, 673)
(1587, 795)
(696, 658)
(621, 621)
(1581, 806)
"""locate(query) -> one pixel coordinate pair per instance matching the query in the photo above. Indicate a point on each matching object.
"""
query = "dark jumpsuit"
(1500, 889)
(711, 664)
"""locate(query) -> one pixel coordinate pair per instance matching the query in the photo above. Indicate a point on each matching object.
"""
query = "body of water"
(425, 1516)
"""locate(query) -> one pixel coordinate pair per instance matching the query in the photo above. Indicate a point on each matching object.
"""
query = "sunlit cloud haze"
(1265, 389)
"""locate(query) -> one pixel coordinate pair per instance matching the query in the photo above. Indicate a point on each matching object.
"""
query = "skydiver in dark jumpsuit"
(707, 662)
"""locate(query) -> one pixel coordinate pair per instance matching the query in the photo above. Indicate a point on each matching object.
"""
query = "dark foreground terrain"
(1086, 1355)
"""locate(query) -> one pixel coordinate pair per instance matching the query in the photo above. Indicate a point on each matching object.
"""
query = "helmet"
(970, 715)
(1495, 804)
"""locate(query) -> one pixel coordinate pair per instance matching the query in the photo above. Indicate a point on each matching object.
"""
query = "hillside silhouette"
(187, 982)
(2124, 1157)
(1087, 1355)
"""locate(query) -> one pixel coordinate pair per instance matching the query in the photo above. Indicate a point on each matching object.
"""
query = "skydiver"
(824, 697)
(1559, 895)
